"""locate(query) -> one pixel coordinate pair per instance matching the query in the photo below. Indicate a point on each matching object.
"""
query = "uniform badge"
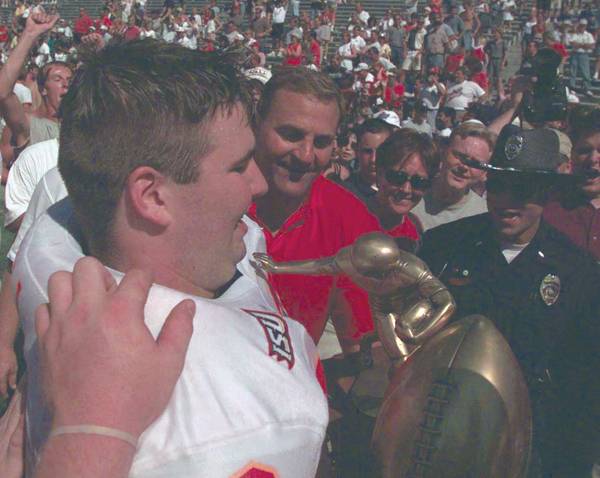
(550, 289)
(513, 147)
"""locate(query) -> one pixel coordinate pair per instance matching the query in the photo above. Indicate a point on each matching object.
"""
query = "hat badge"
(513, 147)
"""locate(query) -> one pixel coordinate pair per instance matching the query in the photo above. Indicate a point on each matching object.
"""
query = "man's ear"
(146, 191)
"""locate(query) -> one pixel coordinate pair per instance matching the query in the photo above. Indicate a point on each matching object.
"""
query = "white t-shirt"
(424, 127)
(461, 94)
(358, 42)
(345, 51)
(511, 251)
(33, 162)
(584, 38)
(247, 398)
(279, 14)
(364, 16)
(432, 214)
(23, 93)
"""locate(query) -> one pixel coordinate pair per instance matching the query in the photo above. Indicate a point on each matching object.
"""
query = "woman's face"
(398, 199)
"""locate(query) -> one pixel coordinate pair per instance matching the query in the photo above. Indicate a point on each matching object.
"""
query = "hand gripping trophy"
(457, 404)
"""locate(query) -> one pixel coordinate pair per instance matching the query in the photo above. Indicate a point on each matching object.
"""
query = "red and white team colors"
(248, 402)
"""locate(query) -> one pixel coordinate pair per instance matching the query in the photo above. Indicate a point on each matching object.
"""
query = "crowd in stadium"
(171, 145)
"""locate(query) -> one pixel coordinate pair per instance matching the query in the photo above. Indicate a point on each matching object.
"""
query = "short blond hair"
(473, 130)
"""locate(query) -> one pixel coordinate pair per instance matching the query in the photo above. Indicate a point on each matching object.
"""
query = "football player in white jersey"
(157, 154)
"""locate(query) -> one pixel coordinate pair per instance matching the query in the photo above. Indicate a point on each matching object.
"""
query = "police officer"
(539, 289)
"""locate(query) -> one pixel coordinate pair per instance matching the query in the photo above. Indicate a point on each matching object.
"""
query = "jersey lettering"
(278, 337)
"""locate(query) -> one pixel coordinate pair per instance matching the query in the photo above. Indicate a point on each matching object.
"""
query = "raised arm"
(37, 24)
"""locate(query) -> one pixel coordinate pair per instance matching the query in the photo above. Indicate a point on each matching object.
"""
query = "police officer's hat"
(534, 153)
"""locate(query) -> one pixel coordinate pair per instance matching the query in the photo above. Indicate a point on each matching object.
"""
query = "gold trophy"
(408, 303)
(460, 406)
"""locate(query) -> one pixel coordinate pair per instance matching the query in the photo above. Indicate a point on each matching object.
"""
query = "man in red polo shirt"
(303, 214)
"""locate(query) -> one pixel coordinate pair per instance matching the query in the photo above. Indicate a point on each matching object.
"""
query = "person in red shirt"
(478, 74)
(406, 162)
(3, 35)
(577, 213)
(304, 215)
(133, 29)
(106, 19)
(294, 52)
(394, 91)
(455, 60)
(82, 25)
(436, 6)
(558, 47)
(315, 49)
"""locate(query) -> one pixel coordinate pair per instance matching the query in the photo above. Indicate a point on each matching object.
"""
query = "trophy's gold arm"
(408, 303)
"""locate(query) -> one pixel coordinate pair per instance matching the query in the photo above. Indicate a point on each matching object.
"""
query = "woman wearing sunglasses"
(406, 162)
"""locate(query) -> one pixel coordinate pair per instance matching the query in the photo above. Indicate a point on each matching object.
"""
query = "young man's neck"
(47, 111)
(163, 273)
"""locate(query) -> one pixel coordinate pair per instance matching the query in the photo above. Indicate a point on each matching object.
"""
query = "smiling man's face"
(295, 142)
(454, 172)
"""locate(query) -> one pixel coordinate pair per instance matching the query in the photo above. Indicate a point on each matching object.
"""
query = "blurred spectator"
(371, 134)
(450, 197)
(463, 92)
(496, 58)
(431, 95)
(416, 118)
(582, 43)
(82, 25)
(436, 42)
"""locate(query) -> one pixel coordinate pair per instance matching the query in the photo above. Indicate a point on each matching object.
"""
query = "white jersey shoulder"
(248, 400)
(49, 190)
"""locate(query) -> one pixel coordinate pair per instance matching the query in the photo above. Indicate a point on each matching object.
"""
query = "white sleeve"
(19, 188)
(479, 91)
(23, 93)
(589, 39)
(26, 172)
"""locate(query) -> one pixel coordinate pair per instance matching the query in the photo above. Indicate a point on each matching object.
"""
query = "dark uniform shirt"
(557, 343)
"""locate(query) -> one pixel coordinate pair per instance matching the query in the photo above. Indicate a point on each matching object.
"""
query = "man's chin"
(295, 189)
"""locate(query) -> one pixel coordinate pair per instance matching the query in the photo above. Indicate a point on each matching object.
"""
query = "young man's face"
(585, 158)
(295, 141)
(513, 208)
(454, 172)
(366, 154)
(57, 85)
(208, 213)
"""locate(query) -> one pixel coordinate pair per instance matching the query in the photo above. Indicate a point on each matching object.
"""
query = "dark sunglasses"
(398, 178)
